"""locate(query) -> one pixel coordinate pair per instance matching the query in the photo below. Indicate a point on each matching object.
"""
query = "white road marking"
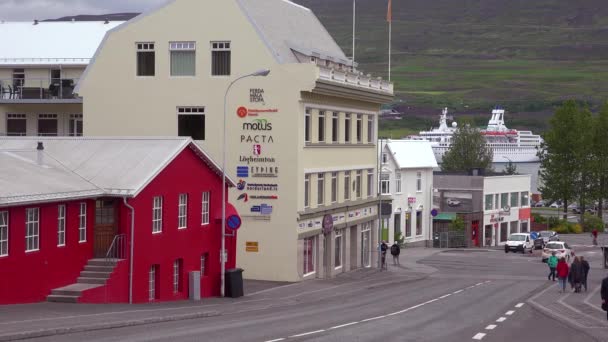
(509, 313)
(276, 340)
(487, 281)
(373, 318)
(445, 296)
(501, 319)
(431, 301)
(478, 284)
(479, 336)
(307, 333)
(456, 292)
(342, 325)
(519, 305)
(491, 327)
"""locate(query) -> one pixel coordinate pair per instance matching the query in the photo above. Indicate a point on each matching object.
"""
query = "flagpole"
(354, 10)
(390, 24)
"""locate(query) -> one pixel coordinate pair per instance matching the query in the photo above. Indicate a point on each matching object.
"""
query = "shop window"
(338, 250)
(145, 59)
(220, 58)
(366, 244)
(16, 125)
(183, 58)
(408, 225)
(75, 125)
(191, 122)
(504, 231)
(309, 256)
(418, 223)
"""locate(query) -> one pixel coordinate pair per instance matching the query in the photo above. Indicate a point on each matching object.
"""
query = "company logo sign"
(248, 160)
(262, 209)
(257, 125)
(257, 149)
(265, 197)
(241, 184)
(256, 138)
(242, 171)
(256, 95)
(262, 187)
(264, 171)
(243, 112)
(243, 197)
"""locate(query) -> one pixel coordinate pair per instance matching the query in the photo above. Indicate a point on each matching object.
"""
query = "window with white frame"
(514, 199)
(524, 199)
(177, 271)
(152, 283)
(320, 189)
(347, 128)
(82, 222)
(504, 199)
(47, 125)
(334, 187)
(370, 129)
(370, 183)
(358, 180)
(220, 58)
(489, 202)
(419, 222)
(75, 125)
(398, 182)
(309, 256)
(385, 183)
(32, 229)
(321, 126)
(145, 59)
(306, 191)
(191, 122)
(307, 127)
(183, 58)
(16, 125)
(338, 249)
(204, 259)
(384, 157)
(346, 185)
(3, 233)
(335, 126)
(496, 201)
(182, 212)
(157, 214)
(419, 181)
(61, 225)
(359, 128)
(408, 224)
(205, 208)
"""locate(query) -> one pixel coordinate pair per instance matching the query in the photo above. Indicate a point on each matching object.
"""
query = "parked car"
(561, 249)
(547, 236)
(555, 205)
(539, 204)
(576, 210)
(591, 211)
(519, 242)
(453, 202)
(539, 243)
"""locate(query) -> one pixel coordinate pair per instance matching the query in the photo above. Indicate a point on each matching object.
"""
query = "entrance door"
(366, 245)
(488, 234)
(396, 227)
(105, 226)
(475, 233)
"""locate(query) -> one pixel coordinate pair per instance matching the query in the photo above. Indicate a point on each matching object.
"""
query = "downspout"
(124, 199)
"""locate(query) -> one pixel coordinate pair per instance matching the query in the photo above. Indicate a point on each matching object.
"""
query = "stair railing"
(118, 248)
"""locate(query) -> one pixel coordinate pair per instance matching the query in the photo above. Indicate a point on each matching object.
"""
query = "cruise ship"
(506, 144)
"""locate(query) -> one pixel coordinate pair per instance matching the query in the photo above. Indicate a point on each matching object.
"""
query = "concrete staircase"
(95, 274)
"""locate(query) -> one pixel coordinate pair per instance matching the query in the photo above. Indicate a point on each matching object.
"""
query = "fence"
(449, 239)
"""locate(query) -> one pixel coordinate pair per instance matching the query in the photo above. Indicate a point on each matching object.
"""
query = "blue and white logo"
(242, 171)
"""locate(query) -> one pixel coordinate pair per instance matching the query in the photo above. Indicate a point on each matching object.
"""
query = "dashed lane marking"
(276, 340)
(491, 327)
(373, 318)
(479, 336)
(509, 313)
(457, 292)
(445, 296)
(519, 305)
(307, 333)
(342, 325)
(501, 319)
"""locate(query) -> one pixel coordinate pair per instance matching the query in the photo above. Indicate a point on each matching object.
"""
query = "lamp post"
(262, 73)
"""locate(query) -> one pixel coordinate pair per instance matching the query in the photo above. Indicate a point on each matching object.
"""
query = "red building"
(68, 207)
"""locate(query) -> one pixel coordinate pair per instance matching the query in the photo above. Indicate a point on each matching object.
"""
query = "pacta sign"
(256, 139)
(257, 125)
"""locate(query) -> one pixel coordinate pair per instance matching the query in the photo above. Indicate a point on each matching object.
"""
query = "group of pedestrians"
(575, 274)
(395, 251)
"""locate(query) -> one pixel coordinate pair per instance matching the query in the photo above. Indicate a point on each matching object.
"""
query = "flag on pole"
(389, 12)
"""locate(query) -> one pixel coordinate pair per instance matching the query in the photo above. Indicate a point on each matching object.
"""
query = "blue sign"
(233, 222)
(263, 209)
(434, 212)
(534, 235)
(242, 171)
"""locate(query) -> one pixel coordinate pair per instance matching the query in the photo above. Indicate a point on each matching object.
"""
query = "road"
(467, 296)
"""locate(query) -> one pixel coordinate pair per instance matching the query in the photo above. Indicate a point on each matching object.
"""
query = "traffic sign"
(233, 222)
(434, 212)
(534, 235)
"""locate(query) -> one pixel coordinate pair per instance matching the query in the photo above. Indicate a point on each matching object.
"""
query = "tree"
(457, 224)
(511, 168)
(558, 155)
(467, 151)
(600, 157)
(585, 163)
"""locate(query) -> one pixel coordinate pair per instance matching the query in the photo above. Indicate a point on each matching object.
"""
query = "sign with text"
(251, 246)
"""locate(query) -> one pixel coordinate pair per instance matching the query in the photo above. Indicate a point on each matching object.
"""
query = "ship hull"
(501, 155)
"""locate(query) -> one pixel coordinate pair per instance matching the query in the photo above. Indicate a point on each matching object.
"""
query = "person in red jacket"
(562, 274)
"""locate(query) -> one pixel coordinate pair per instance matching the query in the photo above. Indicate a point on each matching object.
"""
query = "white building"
(406, 182)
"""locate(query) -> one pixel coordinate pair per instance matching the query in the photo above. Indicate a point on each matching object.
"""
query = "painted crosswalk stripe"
(479, 336)
(501, 319)
(444, 296)
(456, 292)
(276, 340)
(509, 313)
(491, 327)
(519, 305)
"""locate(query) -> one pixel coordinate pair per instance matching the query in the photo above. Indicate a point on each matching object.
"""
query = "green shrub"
(554, 221)
(565, 227)
(576, 228)
(538, 218)
(562, 229)
(457, 224)
(591, 222)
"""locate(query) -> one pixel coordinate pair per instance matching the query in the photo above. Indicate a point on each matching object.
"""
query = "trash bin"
(234, 283)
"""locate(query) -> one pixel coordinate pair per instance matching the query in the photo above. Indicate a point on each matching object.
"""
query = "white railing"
(44, 60)
(37, 88)
(354, 79)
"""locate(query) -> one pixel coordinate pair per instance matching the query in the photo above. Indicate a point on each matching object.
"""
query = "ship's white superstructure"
(506, 144)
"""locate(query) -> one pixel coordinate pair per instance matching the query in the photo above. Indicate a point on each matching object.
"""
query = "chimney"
(106, 21)
(36, 22)
(40, 154)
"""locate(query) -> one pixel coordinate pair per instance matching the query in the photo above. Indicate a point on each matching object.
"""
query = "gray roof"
(285, 26)
(412, 153)
(71, 168)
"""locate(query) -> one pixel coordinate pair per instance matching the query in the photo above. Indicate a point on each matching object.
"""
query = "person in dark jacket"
(383, 248)
(586, 269)
(577, 274)
(562, 274)
(395, 251)
(605, 294)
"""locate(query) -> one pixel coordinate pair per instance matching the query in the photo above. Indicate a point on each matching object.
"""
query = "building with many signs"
(301, 142)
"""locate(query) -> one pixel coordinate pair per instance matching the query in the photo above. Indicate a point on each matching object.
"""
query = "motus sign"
(257, 125)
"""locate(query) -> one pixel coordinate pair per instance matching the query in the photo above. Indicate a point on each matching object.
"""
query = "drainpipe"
(124, 200)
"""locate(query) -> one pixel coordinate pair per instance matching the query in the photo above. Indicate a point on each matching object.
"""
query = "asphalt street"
(468, 295)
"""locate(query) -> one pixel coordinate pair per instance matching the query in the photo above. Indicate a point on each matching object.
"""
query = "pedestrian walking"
(383, 249)
(586, 269)
(552, 262)
(594, 234)
(605, 295)
(562, 274)
(576, 270)
(395, 251)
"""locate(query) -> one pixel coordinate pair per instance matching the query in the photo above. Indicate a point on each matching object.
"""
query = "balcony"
(38, 90)
(355, 79)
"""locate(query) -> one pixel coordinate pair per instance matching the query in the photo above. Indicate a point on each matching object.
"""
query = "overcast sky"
(13, 10)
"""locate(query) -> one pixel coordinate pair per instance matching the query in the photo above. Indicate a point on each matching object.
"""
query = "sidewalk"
(48, 319)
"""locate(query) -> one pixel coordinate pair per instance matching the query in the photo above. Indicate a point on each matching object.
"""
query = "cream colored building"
(40, 64)
(301, 141)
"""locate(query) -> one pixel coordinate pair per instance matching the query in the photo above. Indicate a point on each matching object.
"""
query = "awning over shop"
(445, 217)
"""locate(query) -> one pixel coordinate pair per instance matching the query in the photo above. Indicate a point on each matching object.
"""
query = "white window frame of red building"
(3, 233)
(182, 218)
(309, 256)
(152, 283)
(61, 225)
(176, 276)
(205, 208)
(157, 214)
(82, 222)
(32, 229)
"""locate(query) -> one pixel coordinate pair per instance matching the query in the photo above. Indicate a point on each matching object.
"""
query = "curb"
(83, 328)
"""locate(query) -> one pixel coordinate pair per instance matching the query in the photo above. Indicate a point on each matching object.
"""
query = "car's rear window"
(548, 234)
(555, 246)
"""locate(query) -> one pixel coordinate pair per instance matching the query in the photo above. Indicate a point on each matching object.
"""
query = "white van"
(519, 242)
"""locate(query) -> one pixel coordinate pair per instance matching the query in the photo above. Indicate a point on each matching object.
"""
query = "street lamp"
(262, 73)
